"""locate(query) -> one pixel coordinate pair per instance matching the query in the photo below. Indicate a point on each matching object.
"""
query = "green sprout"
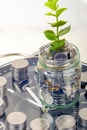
(55, 37)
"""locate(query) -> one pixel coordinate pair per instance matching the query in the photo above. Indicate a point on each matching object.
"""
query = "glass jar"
(59, 76)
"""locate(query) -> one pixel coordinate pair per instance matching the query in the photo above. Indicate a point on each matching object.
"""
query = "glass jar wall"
(59, 76)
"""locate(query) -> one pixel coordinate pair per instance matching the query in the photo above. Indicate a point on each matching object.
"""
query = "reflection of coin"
(67, 90)
(72, 53)
(39, 124)
(2, 126)
(66, 122)
(83, 116)
(84, 77)
(47, 97)
(47, 116)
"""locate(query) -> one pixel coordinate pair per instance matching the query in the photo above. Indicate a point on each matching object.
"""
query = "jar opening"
(68, 56)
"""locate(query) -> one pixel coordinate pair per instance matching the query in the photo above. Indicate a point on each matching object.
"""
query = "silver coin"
(16, 121)
(3, 82)
(19, 64)
(20, 70)
(2, 107)
(65, 122)
(72, 53)
(39, 124)
(82, 116)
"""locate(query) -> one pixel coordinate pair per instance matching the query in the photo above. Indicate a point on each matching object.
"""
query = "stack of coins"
(82, 116)
(39, 124)
(2, 107)
(16, 121)
(65, 122)
(20, 70)
(3, 82)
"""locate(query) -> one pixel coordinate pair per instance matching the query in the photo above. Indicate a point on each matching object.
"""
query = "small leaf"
(54, 43)
(51, 5)
(50, 0)
(59, 11)
(64, 31)
(59, 23)
(55, 1)
(58, 44)
(50, 35)
(50, 14)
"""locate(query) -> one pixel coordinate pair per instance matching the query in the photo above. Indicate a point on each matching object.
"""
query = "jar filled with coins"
(59, 76)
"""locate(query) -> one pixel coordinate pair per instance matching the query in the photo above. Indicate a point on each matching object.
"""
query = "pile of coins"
(16, 121)
(20, 70)
(3, 82)
(2, 107)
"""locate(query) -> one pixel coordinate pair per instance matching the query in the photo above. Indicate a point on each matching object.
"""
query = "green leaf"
(58, 24)
(60, 11)
(50, 14)
(50, 0)
(51, 5)
(58, 44)
(55, 1)
(64, 31)
(50, 35)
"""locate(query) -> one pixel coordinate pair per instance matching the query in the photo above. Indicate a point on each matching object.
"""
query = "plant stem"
(57, 28)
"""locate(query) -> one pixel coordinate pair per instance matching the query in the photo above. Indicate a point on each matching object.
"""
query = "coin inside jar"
(65, 122)
(82, 116)
(39, 124)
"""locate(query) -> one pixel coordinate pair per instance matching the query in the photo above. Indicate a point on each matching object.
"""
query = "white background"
(22, 23)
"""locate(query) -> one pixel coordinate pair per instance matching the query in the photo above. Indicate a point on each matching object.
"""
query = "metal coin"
(61, 57)
(2, 107)
(39, 124)
(82, 116)
(20, 70)
(65, 122)
(3, 82)
(16, 121)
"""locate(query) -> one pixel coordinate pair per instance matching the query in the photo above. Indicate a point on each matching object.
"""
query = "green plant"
(55, 37)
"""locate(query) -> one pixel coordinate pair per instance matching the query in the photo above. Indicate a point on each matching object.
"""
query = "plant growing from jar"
(55, 37)
(58, 66)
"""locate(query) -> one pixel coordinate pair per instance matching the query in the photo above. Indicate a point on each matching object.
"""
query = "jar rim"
(51, 63)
